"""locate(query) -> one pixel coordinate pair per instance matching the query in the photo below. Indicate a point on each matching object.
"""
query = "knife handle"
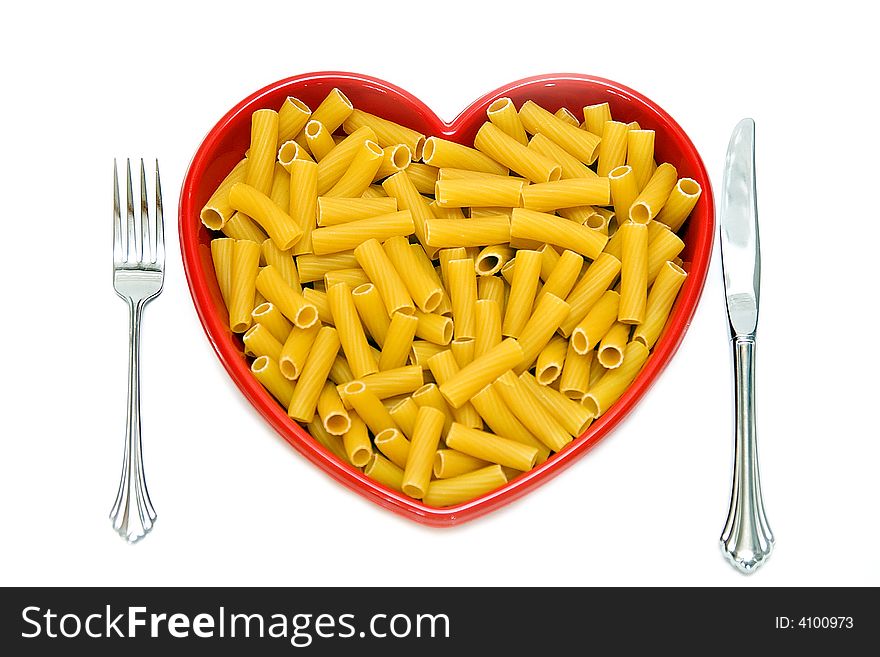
(747, 539)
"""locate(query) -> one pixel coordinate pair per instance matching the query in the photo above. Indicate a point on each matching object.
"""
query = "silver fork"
(138, 274)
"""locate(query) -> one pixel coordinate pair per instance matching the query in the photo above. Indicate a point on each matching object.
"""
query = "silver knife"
(747, 539)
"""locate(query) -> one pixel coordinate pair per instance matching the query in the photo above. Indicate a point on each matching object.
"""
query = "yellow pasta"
(398, 343)
(368, 407)
(550, 229)
(221, 256)
(549, 313)
(292, 117)
(422, 176)
(551, 360)
(390, 383)
(443, 366)
(681, 201)
(582, 144)
(350, 277)
(345, 237)
(503, 148)
(319, 140)
(355, 440)
(419, 464)
(385, 472)
(261, 156)
(601, 317)
(589, 289)
(331, 443)
(571, 166)
(394, 445)
(463, 292)
(296, 349)
(633, 272)
(614, 383)
(651, 199)
(401, 187)
(572, 417)
(242, 227)
(566, 193)
(318, 299)
(292, 304)
(424, 288)
(488, 325)
(334, 165)
(595, 118)
(530, 412)
(313, 267)
(394, 158)
(491, 259)
(471, 192)
(340, 372)
(492, 448)
(429, 395)
(267, 373)
(575, 379)
(565, 114)
(660, 300)
(384, 276)
(610, 350)
(640, 155)
(332, 112)
(493, 409)
(217, 211)
(243, 281)
(612, 148)
(663, 245)
(522, 292)
(481, 372)
(404, 414)
(272, 318)
(455, 490)
(446, 364)
(388, 133)
(276, 222)
(314, 374)
(332, 211)
(503, 114)
(351, 331)
(282, 262)
(624, 189)
(335, 417)
(451, 463)
(289, 152)
(492, 288)
(360, 172)
(493, 229)
(434, 328)
(259, 341)
(563, 273)
(443, 153)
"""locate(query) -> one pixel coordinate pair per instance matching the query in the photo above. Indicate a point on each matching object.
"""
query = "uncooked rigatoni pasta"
(440, 315)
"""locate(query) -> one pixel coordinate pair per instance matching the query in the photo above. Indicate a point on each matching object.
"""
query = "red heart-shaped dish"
(222, 148)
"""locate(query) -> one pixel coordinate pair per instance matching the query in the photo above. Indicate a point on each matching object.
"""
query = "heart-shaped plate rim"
(223, 147)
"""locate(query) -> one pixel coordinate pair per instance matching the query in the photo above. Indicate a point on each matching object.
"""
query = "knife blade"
(740, 243)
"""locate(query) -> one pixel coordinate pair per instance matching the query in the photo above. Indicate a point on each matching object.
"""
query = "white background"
(83, 83)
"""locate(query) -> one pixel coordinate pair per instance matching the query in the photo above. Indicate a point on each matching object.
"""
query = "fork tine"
(146, 240)
(159, 252)
(134, 248)
(118, 251)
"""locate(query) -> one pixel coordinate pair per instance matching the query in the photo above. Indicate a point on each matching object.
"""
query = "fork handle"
(747, 539)
(132, 514)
